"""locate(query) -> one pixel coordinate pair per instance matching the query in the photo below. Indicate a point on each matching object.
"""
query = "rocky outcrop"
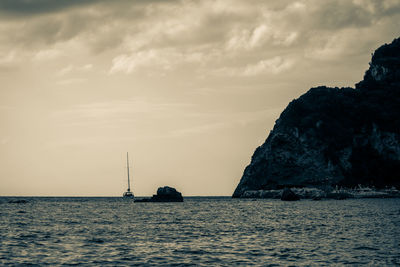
(164, 194)
(289, 195)
(18, 201)
(318, 194)
(332, 137)
(167, 193)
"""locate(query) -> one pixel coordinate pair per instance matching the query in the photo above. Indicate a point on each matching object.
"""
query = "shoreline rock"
(289, 195)
(318, 194)
(18, 201)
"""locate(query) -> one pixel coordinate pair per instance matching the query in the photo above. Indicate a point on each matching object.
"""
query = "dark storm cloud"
(44, 31)
(103, 24)
(245, 33)
(28, 7)
(336, 15)
(333, 15)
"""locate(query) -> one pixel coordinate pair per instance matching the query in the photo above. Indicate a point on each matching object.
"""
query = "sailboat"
(128, 193)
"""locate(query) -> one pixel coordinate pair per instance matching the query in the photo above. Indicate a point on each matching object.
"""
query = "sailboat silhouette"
(128, 193)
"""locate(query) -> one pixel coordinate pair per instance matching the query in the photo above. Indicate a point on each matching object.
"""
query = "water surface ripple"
(200, 231)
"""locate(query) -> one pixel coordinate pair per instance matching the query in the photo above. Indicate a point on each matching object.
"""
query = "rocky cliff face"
(336, 136)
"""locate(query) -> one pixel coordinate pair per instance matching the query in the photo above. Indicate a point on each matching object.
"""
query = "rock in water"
(18, 201)
(289, 195)
(167, 193)
(164, 194)
(336, 136)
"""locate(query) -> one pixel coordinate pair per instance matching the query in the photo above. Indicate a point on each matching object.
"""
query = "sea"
(201, 231)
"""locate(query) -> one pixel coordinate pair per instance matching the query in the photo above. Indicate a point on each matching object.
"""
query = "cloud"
(341, 14)
(274, 66)
(23, 7)
(164, 59)
(259, 36)
(39, 35)
(205, 35)
(129, 63)
(71, 68)
(8, 60)
(47, 54)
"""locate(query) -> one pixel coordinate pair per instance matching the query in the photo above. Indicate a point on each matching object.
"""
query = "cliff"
(332, 137)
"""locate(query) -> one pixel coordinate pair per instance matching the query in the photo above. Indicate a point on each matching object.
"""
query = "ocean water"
(201, 231)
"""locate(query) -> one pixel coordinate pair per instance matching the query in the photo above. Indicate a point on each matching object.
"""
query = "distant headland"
(343, 141)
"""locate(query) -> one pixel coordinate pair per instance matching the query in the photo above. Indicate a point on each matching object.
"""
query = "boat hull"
(128, 194)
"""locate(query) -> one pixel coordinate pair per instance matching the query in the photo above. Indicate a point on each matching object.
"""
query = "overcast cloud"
(189, 87)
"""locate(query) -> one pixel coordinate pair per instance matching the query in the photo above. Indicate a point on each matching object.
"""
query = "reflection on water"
(200, 231)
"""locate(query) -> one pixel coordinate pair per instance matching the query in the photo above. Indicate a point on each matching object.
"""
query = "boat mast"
(127, 166)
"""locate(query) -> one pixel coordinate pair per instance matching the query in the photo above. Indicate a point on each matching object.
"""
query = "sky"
(188, 88)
